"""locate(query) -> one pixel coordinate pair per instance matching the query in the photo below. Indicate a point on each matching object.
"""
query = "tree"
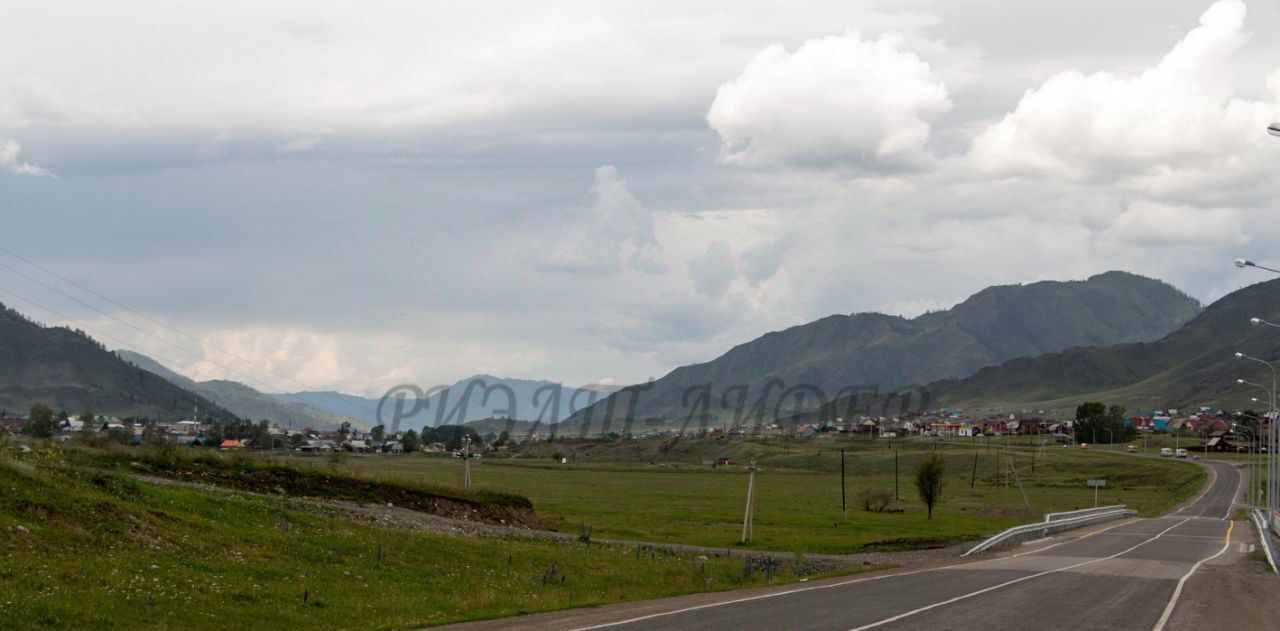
(378, 433)
(1096, 423)
(929, 480)
(296, 441)
(344, 430)
(40, 421)
(410, 441)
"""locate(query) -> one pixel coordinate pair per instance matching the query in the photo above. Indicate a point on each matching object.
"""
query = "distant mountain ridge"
(244, 401)
(70, 371)
(477, 398)
(878, 351)
(1194, 365)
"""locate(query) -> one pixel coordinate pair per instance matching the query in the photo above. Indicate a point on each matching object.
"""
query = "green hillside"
(70, 371)
(886, 352)
(244, 401)
(1192, 366)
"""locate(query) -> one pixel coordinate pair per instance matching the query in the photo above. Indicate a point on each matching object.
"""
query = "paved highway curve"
(1128, 575)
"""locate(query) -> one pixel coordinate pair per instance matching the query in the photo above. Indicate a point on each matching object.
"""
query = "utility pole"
(751, 491)
(466, 462)
(844, 506)
(896, 496)
(973, 478)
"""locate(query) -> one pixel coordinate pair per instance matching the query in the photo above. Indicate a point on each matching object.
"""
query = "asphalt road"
(1126, 575)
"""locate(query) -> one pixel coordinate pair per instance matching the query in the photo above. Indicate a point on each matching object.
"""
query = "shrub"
(875, 500)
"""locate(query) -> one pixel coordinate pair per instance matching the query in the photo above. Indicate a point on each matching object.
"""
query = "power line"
(198, 340)
(83, 327)
(135, 312)
(144, 332)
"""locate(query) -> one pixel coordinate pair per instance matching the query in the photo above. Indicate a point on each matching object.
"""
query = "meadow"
(659, 490)
(86, 547)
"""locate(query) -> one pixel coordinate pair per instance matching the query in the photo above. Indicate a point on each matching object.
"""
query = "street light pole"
(1273, 492)
(1249, 460)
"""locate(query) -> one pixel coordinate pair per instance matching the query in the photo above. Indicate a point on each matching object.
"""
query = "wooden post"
(844, 506)
(751, 489)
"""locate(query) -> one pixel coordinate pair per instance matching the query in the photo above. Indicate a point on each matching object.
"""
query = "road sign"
(1095, 485)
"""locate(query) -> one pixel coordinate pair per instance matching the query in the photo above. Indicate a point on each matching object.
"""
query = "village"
(1206, 429)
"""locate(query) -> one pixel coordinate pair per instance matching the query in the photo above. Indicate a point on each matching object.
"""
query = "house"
(232, 444)
(395, 447)
(187, 428)
(806, 431)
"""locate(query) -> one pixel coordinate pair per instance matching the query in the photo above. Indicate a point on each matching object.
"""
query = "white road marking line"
(772, 595)
(936, 569)
(1015, 581)
(1202, 491)
(1173, 600)
(1234, 496)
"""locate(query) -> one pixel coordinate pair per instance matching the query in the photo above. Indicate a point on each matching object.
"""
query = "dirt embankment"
(270, 478)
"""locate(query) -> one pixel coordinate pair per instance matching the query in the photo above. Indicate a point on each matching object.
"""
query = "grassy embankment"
(87, 547)
(658, 490)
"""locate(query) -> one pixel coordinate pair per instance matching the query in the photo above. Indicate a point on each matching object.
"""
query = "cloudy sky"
(344, 195)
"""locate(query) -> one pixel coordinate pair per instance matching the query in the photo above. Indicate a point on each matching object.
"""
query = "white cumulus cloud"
(841, 99)
(1178, 118)
(619, 228)
(10, 160)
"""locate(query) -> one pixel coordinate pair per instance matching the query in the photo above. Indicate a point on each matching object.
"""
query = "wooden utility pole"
(896, 496)
(974, 478)
(751, 491)
(466, 462)
(844, 506)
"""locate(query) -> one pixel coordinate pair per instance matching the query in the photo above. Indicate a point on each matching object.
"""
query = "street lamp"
(1273, 465)
(1249, 460)
(1257, 321)
(1271, 433)
(1242, 263)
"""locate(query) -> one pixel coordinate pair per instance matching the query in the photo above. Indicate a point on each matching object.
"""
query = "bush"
(875, 500)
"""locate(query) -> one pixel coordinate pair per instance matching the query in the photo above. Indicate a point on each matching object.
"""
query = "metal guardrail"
(1027, 532)
(1082, 512)
(1259, 519)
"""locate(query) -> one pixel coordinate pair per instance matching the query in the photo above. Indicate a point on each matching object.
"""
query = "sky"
(341, 195)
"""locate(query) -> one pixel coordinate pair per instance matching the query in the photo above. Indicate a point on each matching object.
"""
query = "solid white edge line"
(1177, 591)
(1236, 496)
(673, 612)
(1199, 495)
(1015, 581)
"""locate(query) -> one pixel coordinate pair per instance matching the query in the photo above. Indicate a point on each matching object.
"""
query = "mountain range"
(69, 371)
(882, 352)
(244, 401)
(1114, 337)
(476, 398)
(1194, 365)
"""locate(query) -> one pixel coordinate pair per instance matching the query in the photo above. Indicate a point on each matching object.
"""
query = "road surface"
(1126, 575)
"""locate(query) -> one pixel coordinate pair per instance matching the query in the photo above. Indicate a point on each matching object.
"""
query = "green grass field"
(653, 490)
(84, 548)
